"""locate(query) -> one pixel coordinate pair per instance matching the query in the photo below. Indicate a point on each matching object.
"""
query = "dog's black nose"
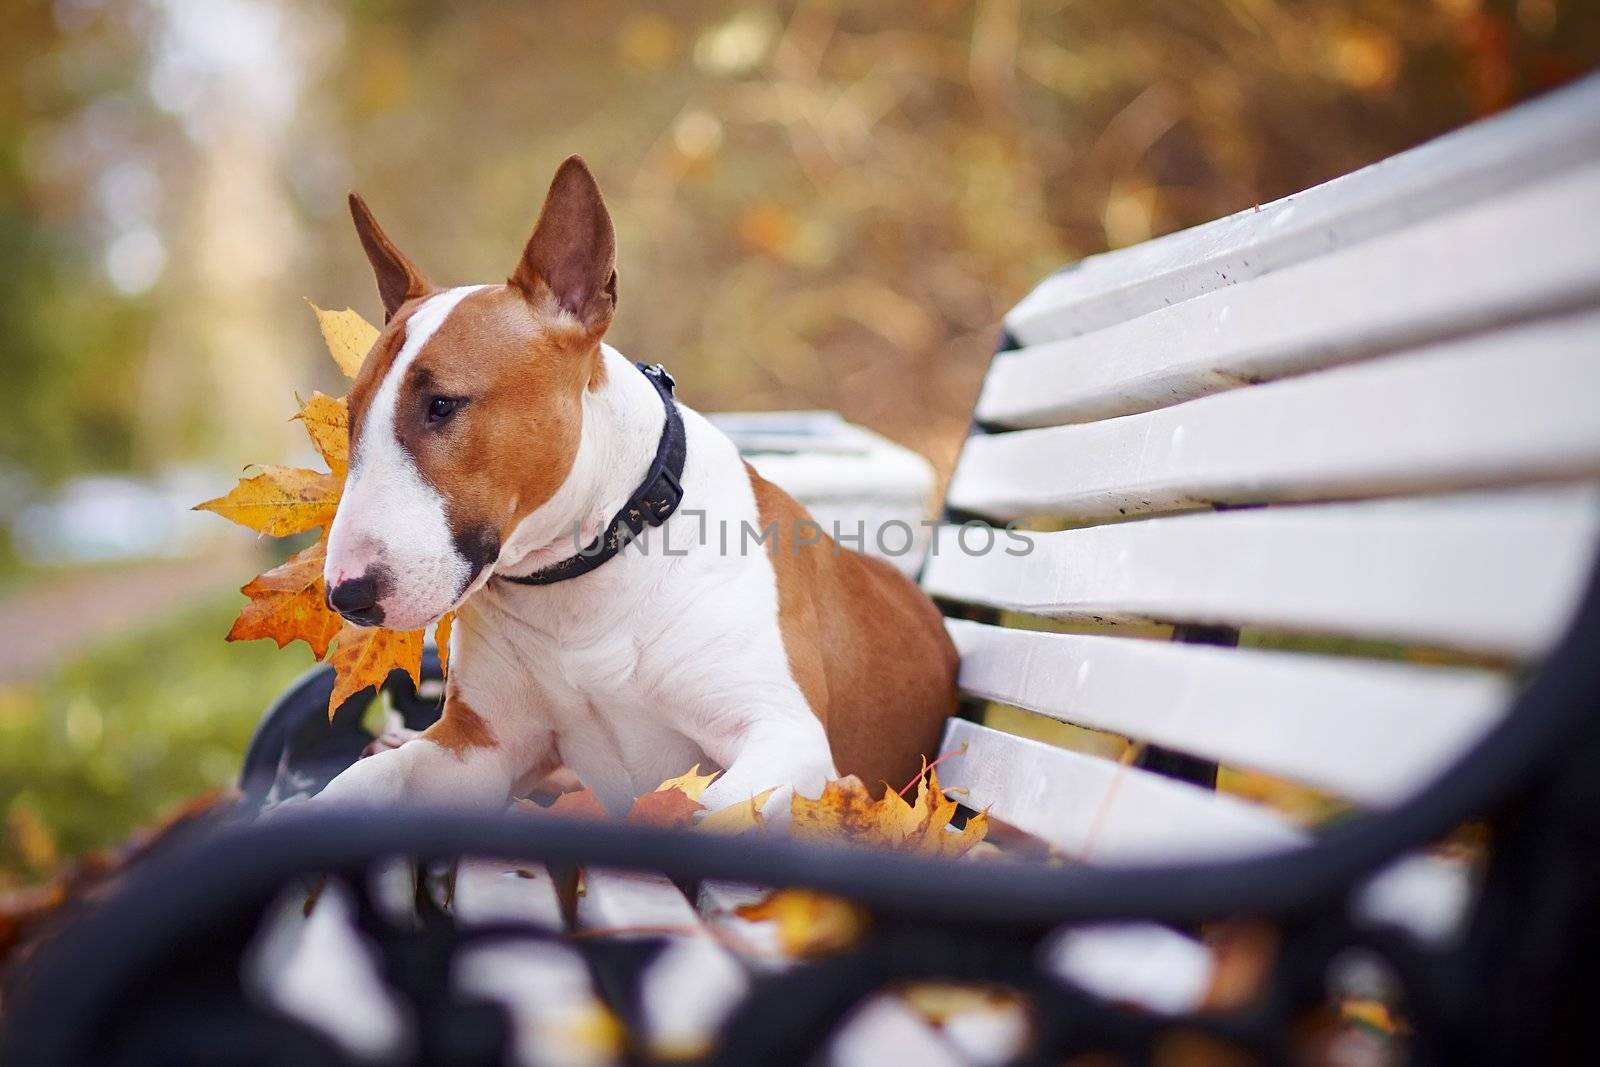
(357, 600)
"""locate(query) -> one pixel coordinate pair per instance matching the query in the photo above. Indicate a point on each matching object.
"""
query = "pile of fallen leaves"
(808, 923)
(288, 603)
(846, 811)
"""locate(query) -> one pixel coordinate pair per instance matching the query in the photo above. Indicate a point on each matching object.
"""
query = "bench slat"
(1445, 278)
(1094, 810)
(322, 970)
(493, 891)
(1498, 573)
(693, 984)
(885, 1030)
(1372, 732)
(549, 998)
(1502, 408)
(1538, 139)
(555, 1013)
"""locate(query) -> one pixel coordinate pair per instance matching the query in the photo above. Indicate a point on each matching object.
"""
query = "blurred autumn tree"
(824, 203)
(69, 109)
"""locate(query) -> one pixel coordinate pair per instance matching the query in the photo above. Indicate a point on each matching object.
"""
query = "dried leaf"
(441, 638)
(671, 808)
(738, 819)
(692, 782)
(809, 923)
(327, 423)
(32, 837)
(940, 1002)
(280, 501)
(288, 604)
(579, 803)
(847, 812)
(365, 657)
(348, 336)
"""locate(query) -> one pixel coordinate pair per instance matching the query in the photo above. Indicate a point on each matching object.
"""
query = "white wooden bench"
(1311, 493)
(1360, 422)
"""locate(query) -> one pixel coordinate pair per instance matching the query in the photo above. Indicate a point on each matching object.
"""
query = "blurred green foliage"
(127, 732)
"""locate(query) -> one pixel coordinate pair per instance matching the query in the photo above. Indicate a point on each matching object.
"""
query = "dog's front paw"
(390, 739)
(376, 780)
(773, 810)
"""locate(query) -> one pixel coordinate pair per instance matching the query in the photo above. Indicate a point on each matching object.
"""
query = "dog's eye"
(441, 408)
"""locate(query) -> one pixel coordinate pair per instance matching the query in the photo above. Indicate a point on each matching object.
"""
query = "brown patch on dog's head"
(490, 409)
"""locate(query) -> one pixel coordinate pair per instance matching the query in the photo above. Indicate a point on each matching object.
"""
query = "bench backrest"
(1357, 429)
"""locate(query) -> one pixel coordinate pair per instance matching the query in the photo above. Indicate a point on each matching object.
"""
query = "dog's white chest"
(605, 706)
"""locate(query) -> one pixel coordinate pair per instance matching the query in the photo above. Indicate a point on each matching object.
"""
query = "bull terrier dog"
(502, 458)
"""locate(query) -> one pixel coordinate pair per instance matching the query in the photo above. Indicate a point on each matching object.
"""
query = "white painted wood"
(1495, 573)
(1097, 811)
(1146, 964)
(756, 943)
(496, 891)
(556, 1018)
(320, 969)
(988, 1034)
(693, 984)
(1499, 573)
(1497, 409)
(1497, 262)
(1370, 731)
(1424, 894)
(884, 1031)
(392, 885)
(759, 946)
(1506, 152)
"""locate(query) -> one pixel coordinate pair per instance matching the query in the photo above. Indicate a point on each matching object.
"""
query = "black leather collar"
(657, 497)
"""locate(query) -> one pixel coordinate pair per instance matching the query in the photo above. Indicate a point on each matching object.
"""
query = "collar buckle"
(661, 374)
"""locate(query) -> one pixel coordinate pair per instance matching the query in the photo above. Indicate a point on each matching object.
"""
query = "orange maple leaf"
(288, 604)
(441, 639)
(365, 657)
(581, 803)
(670, 808)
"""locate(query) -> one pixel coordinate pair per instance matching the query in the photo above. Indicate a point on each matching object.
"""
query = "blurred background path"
(49, 620)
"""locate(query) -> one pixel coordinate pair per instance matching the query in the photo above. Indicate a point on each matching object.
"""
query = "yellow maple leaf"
(691, 782)
(327, 422)
(809, 923)
(348, 336)
(738, 818)
(280, 500)
(365, 657)
(288, 604)
(846, 811)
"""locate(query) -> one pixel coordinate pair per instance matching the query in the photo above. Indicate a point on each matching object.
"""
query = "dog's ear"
(398, 278)
(573, 250)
